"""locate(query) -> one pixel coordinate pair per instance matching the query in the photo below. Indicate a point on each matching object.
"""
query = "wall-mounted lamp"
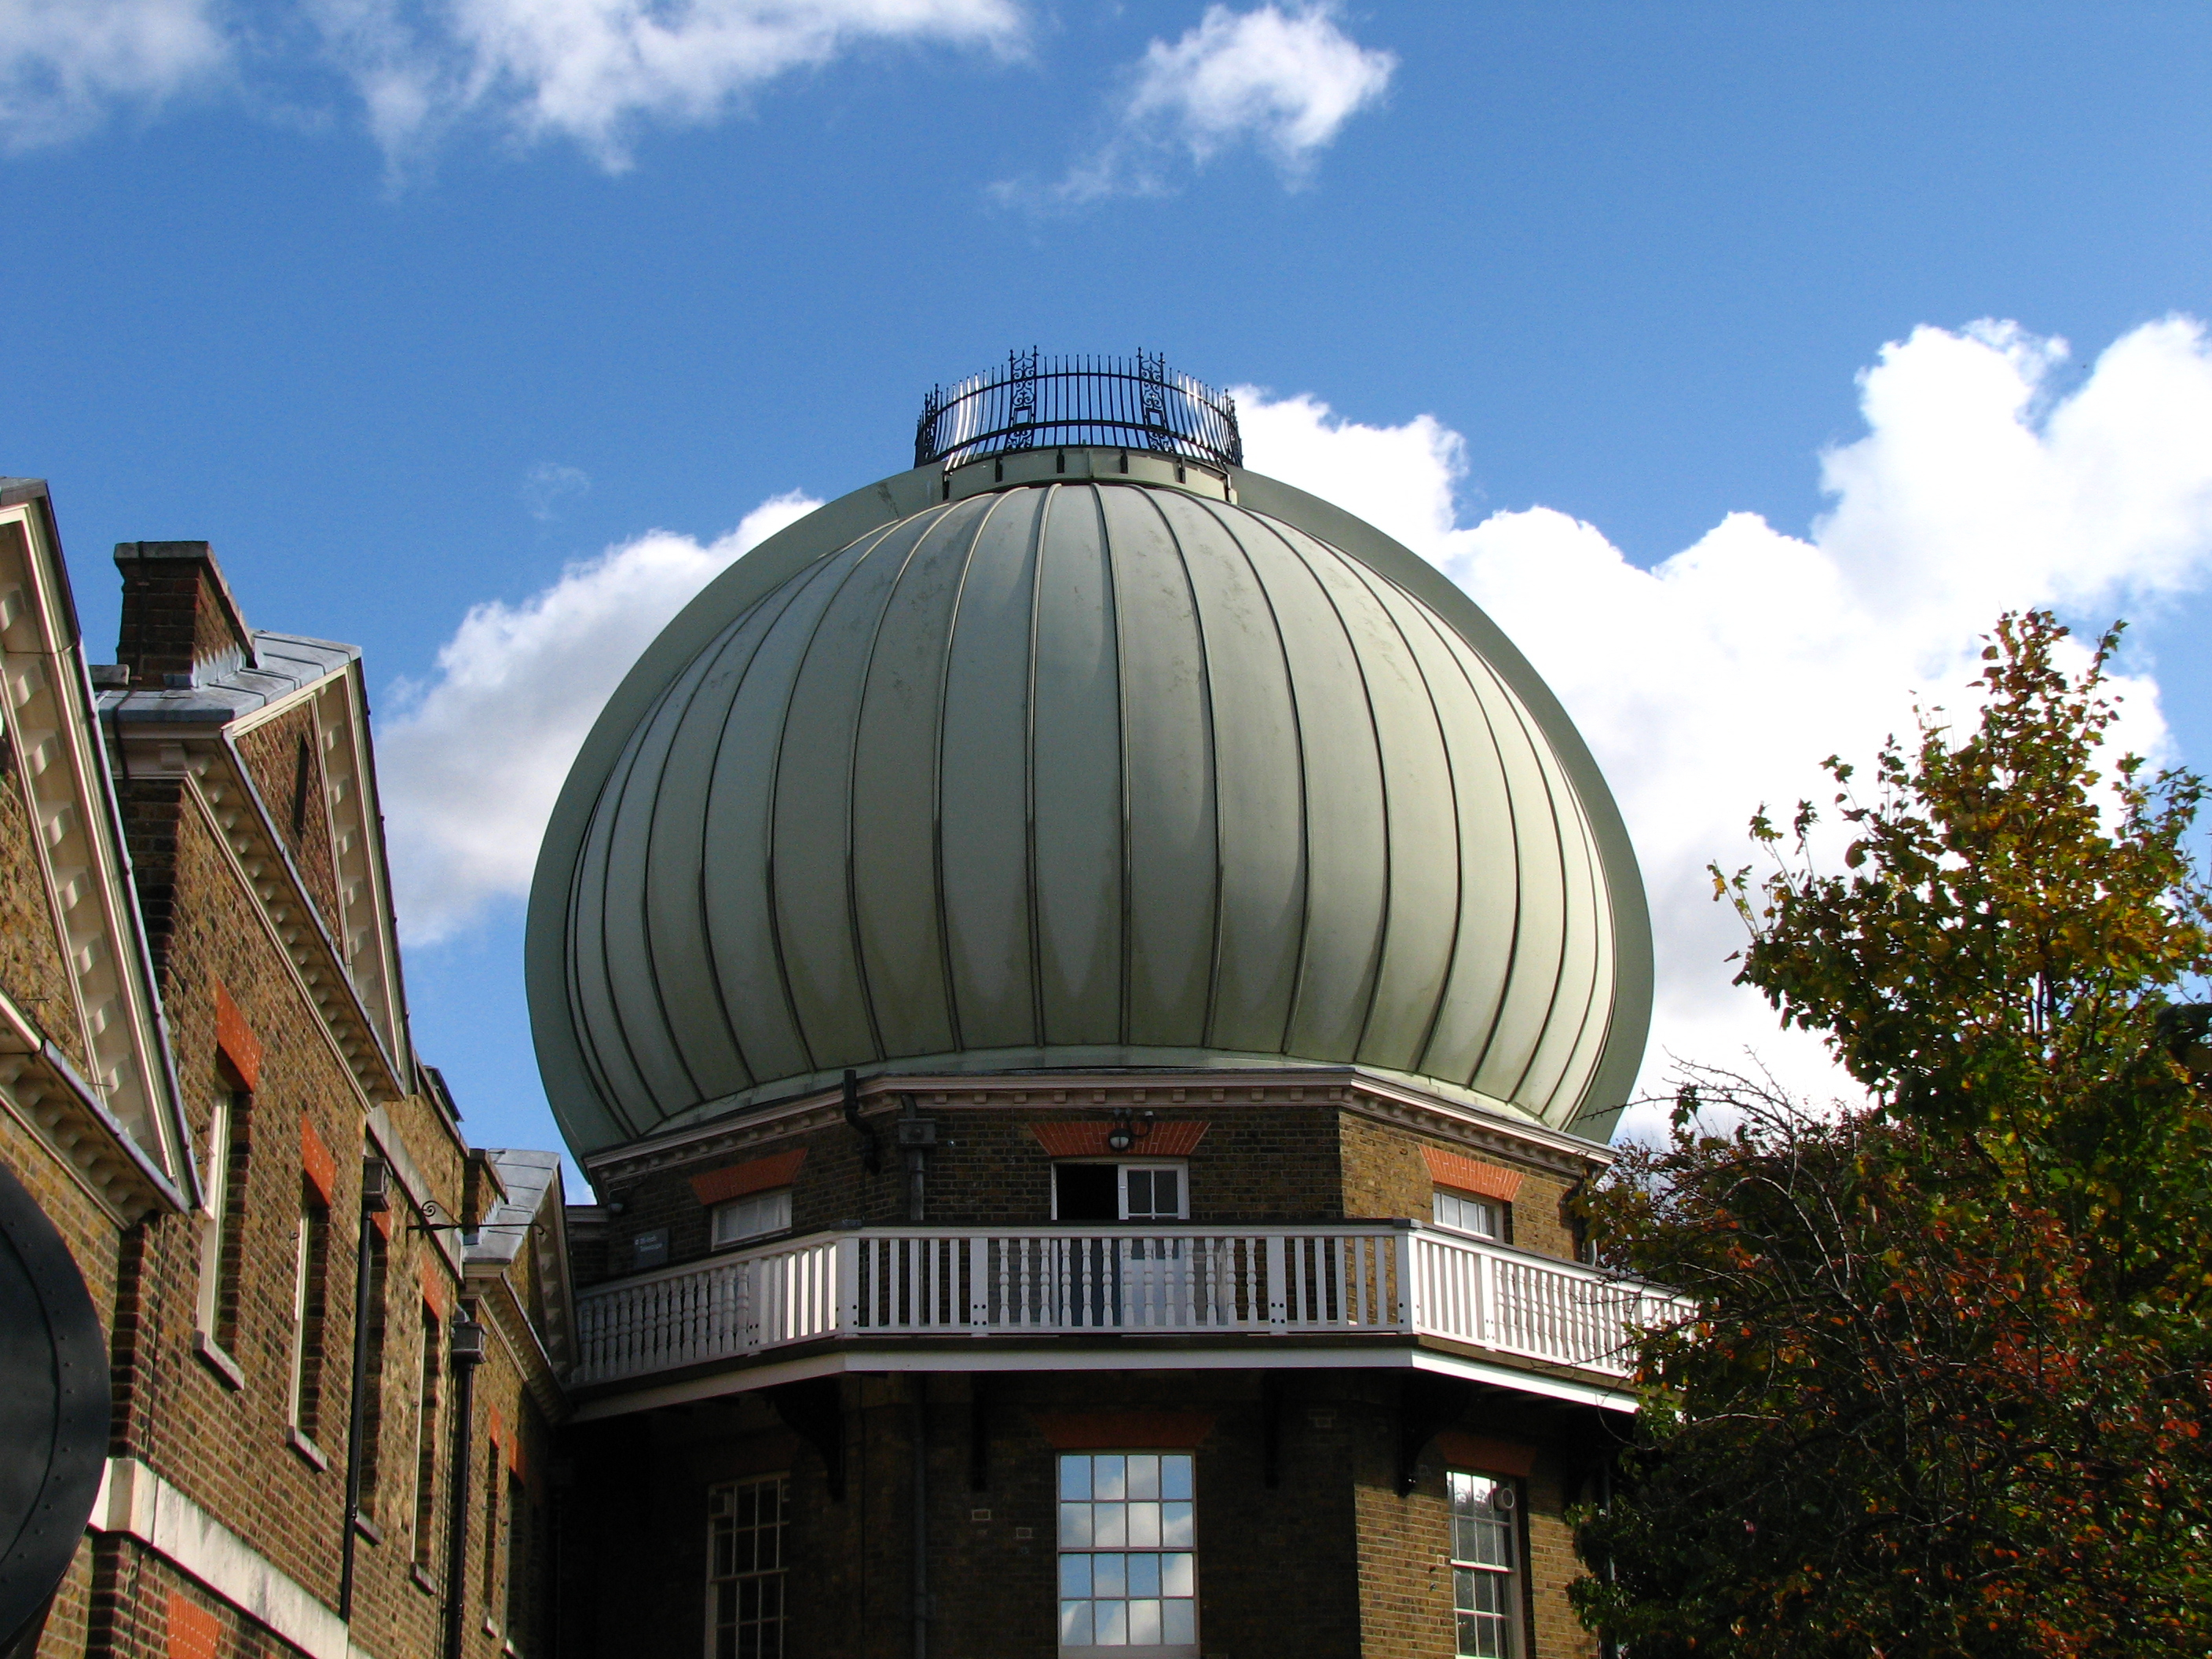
(1129, 1127)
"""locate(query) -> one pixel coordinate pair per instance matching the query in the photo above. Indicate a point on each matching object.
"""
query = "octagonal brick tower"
(1082, 755)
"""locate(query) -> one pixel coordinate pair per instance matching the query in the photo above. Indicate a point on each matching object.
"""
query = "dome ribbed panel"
(1097, 770)
(983, 885)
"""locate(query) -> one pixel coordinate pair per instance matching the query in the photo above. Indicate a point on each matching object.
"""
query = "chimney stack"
(181, 625)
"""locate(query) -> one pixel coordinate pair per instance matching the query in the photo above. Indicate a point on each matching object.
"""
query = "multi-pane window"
(495, 1533)
(1486, 1565)
(746, 1521)
(372, 1375)
(519, 1529)
(310, 1246)
(426, 1441)
(1129, 1572)
(755, 1215)
(1462, 1214)
(1119, 1192)
(223, 1240)
(1151, 1192)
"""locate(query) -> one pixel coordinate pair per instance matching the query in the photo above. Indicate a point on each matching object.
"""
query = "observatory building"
(1085, 980)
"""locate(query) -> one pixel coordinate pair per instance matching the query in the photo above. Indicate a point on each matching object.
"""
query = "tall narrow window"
(310, 1251)
(372, 1373)
(426, 1442)
(1128, 1567)
(745, 1520)
(519, 1532)
(303, 775)
(494, 1533)
(222, 1240)
(1486, 1565)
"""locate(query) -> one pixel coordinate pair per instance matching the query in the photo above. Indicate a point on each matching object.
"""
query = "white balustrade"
(914, 1282)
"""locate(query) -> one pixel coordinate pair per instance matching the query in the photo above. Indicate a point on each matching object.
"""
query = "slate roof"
(283, 663)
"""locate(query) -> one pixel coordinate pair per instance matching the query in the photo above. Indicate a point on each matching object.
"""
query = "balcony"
(1395, 1281)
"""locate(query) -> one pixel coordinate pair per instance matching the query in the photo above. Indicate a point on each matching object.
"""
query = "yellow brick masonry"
(214, 1435)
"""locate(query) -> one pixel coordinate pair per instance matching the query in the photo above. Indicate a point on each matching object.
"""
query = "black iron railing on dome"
(1032, 402)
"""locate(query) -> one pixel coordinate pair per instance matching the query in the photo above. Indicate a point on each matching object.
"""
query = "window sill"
(312, 1455)
(422, 1579)
(212, 1356)
(492, 1630)
(369, 1528)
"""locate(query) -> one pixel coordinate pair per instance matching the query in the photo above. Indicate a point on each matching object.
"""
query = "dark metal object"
(1109, 402)
(1427, 1406)
(54, 1405)
(921, 1602)
(465, 1351)
(979, 1432)
(375, 1198)
(814, 1410)
(871, 1156)
(917, 1138)
(1129, 1127)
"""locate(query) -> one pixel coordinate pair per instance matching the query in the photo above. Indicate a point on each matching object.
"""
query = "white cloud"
(549, 483)
(596, 71)
(1713, 682)
(65, 62)
(471, 761)
(1285, 82)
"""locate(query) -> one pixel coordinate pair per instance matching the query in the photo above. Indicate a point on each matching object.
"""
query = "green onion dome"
(1057, 765)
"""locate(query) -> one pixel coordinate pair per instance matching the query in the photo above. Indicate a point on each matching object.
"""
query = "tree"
(1943, 1385)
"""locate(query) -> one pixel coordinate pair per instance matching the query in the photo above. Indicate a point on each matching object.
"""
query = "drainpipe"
(871, 1157)
(917, 1136)
(375, 1200)
(920, 1510)
(467, 1349)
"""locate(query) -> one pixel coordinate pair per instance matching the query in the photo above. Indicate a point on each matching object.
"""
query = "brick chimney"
(181, 624)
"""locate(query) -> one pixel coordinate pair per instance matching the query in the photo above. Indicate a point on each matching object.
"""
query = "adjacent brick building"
(211, 1092)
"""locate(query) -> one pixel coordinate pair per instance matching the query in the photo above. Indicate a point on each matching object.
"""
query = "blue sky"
(408, 308)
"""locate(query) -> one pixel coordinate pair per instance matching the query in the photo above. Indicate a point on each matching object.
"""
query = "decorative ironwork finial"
(1114, 403)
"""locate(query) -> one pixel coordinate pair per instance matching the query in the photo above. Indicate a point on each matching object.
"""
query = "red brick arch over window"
(1176, 1139)
(1464, 1174)
(234, 1040)
(763, 1175)
(1482, 1451)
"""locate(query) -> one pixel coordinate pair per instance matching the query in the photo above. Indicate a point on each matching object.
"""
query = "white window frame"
(755, 1215)
(215, 1199)
(1450, 1210)
(1179, 1170)
(1488, 1526)
(725, 1492)
(1178, 1167)
(310, 1279)
(1143, 1540)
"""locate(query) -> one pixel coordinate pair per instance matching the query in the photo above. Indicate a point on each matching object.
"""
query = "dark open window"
(1086, 1192)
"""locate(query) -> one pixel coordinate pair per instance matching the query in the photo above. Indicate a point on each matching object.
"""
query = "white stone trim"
(1604, 1397)
(136, 1501)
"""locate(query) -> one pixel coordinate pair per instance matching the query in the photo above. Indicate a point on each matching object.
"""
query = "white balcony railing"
(1375, 1278)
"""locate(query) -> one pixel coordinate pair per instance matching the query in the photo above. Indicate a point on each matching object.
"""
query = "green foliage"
(1946, 1387)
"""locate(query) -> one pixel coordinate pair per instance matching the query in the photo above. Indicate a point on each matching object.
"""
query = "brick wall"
(273, 752)
(1254, 1164)
(1384, 1175)
(1329, 1560)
